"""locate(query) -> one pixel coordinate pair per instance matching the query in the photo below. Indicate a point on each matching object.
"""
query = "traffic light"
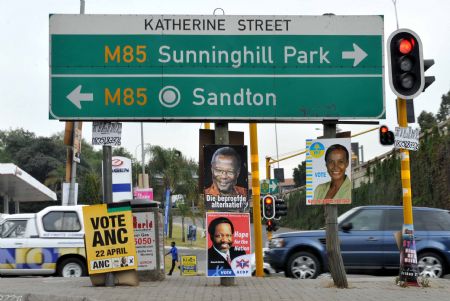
(268, 207)
(406, 74)
(386, 136)
(280, 208)
(271, 226)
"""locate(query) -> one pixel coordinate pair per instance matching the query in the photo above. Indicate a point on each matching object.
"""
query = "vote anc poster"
(328, 171)
(228, 244)
(109, 238)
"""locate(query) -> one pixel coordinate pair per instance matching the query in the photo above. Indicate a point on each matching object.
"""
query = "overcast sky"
(24, 66)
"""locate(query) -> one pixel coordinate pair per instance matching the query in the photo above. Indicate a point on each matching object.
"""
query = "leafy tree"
(426, 121)
(299, 174)
(169, 170)
(444, 109)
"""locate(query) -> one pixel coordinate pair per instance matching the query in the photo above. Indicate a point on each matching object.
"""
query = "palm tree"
(169, 170)
(184, 211)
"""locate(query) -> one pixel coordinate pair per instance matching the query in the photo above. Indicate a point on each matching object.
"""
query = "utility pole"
(221, 137)
(333, 246)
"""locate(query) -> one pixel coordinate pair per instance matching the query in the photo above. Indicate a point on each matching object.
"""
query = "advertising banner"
(144, 238)
(408, 256)
(328, 171)
(226, 181)
(109, 238)
(188, 265)
(228, 244)
(121, 179)
(143, 193)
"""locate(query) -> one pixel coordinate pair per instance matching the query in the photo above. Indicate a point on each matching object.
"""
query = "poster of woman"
(328, 171)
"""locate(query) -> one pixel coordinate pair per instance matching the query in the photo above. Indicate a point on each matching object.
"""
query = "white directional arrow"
(357, 55)
(76, 97)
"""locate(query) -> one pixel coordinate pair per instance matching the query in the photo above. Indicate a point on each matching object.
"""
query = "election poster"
(226, 177)
(328, 171)
(228, 244)
(109, 238)
(188, 265)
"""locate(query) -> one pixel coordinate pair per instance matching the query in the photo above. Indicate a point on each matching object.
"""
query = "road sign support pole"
(408, 272)
(107, 195)
(336, 263)
(221, 137)
(256, 197)
(268, 168)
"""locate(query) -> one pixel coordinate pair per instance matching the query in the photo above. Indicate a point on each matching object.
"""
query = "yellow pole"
(207, 126)
(256, 196)
(267, 168)
(408, 270)
(405, 168)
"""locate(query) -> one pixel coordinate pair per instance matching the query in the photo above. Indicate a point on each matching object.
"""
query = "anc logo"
(317, 150)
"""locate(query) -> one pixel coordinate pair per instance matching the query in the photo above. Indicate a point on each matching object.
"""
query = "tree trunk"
(182, 230)
(335, 261)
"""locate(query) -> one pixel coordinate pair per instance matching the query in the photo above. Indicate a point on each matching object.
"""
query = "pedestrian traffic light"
(280, 208)
(271, 226)
(386, 136)
(406, 74)
(268, 206)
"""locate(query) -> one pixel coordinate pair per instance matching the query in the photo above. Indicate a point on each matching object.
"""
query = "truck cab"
(44, 243)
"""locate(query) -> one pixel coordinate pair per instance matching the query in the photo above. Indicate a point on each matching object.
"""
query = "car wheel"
(303, 265)
(430, 265)
(71, 267)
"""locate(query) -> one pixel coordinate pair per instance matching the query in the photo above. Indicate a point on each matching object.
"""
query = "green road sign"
(234, 68)
(269, 186)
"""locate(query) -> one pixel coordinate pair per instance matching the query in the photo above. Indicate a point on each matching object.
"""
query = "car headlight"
(276, 243)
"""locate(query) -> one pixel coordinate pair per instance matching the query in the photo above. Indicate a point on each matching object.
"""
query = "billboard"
(228, 244)
(328, 171)
(121, 179)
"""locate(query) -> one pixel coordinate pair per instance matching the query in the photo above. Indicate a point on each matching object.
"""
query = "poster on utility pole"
(328, 171)
(226, 177)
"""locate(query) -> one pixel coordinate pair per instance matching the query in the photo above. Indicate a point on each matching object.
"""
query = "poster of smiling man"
(328, 171)
(226, 177)
(228, 244)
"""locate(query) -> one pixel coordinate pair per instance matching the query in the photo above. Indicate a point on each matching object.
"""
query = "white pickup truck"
(44, 243)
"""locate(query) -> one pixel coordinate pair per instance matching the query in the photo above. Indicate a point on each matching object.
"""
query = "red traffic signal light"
(271, 226)
(268, 207)
(386, 137)
(406, 74)
(405, 46)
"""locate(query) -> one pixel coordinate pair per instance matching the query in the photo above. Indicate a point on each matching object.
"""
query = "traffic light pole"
(408, 255)
(254, 159)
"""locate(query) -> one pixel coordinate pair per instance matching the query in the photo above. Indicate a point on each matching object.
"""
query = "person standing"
(174, 252)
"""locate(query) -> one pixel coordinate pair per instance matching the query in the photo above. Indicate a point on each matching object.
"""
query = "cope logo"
(317, 150)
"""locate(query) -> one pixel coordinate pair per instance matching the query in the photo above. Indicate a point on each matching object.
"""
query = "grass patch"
(177, 238)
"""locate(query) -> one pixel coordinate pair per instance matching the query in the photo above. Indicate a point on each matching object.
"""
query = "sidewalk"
(204, 289)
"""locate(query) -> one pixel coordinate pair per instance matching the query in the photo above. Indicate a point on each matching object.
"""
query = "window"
(394, 220)
(13, 229)
(436, 220)
(61, 221)
(367, 220)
